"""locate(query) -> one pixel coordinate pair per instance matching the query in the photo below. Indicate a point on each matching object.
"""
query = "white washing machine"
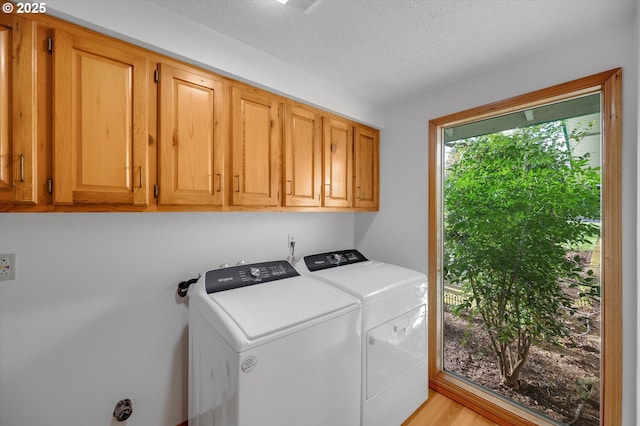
(394, 331)
(270, 347)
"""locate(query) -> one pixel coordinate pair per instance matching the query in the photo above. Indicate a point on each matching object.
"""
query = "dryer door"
(394, 347)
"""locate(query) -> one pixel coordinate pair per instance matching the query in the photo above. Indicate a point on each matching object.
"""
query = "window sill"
(485, 403)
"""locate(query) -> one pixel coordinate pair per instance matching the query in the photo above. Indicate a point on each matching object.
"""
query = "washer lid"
(370, 279)
(267, 308)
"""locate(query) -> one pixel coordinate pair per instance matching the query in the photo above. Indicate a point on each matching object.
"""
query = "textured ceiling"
(386, 50)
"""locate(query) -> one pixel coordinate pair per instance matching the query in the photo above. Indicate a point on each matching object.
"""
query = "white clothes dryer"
(394, 331)
(270, 347)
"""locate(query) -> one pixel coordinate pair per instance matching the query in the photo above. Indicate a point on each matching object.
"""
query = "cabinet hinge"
(50, 186)
(155, 190)
(50, 45)
(156, 76)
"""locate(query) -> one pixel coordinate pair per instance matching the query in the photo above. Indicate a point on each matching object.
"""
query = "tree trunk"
(511, 372)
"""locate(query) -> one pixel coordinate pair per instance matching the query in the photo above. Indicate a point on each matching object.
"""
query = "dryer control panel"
(318, 262)
(245, 275)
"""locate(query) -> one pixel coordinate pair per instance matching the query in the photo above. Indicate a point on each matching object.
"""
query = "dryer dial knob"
(254, 272)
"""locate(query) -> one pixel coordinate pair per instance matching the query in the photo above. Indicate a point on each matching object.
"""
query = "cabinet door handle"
(358, 192)
(288, 187)
(327, 190)
(219, 185)
(21, 167)
(237, 183)
(140, 176)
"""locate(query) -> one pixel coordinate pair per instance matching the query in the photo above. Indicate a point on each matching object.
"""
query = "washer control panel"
(249, 274)
(318, 262)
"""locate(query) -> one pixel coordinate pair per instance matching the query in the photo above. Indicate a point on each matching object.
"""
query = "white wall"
(93, 318)
(637, 40)
(161, 30)
(399, 232)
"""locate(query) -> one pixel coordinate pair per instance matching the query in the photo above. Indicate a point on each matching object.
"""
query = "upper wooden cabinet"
(90, 123)
(302, 156)
(256, 148)
(192, 133)
(99, 121)
(23, 122)
(338, 162)
(366, 164)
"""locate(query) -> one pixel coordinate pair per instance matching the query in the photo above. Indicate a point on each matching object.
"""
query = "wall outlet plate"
(7, 267)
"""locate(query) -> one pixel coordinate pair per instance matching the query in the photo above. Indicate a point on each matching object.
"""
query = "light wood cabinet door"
(302, 157)
(99, 121)
(366, 164)
(256, 148)
(18, 111)
(338, 163)
(191, 140)
(7, 189)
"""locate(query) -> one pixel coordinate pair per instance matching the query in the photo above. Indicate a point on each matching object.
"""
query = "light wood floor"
(442, 411)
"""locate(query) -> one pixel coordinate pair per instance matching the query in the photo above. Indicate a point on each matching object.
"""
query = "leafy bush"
(514, 202)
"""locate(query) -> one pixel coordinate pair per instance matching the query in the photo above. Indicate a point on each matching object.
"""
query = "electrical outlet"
(7, 267)
(291, 245)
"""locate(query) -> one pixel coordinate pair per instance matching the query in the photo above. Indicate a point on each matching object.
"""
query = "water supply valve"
(123, 410)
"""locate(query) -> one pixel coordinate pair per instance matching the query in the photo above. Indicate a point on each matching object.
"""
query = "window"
(606, 89)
